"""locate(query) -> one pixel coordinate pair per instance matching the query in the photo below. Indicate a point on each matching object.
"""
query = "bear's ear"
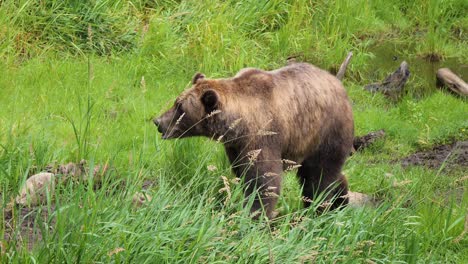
(209, 100)
(198, 76)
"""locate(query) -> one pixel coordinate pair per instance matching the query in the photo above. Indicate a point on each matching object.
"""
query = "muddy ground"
(22, 224)
(448, 157)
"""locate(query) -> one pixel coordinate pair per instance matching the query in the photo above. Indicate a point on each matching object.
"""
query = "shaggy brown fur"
(299, 113)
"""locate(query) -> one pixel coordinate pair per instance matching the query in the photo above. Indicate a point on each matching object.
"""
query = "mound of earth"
(357, 199)
(450, 156)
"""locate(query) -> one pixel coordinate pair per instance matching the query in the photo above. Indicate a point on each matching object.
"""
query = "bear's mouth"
(167, 134)
(164, 132)
(173, 133)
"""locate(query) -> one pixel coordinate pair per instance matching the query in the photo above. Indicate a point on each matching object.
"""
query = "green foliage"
(63, 100)
(77, 26)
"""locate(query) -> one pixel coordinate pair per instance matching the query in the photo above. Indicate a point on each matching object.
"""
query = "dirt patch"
(148, 184)
(450, 156)
(22, 225)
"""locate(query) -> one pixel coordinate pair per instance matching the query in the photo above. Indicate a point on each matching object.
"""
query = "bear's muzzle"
(157, 122)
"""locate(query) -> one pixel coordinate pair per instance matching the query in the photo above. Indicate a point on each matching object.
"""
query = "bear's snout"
(157, 122)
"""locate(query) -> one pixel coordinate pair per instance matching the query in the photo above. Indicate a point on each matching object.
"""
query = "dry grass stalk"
(309, 258)
(293, 167)
(325, 204)
(270, 174)
(211, 168)
(289, 162)
(235, 123)
(253, 155)
(226, 189)
(270, 194)
(306, 199)
(215, 112)
(115, 251)
(235, 181)
(180, 118)
(402, 183)
(262, 132)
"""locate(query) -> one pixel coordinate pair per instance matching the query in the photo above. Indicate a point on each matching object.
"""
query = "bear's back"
(302, 103)
(307, 104)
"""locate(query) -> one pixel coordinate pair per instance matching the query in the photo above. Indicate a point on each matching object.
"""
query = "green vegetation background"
(83, 79)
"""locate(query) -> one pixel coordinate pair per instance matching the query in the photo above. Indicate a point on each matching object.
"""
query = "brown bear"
(298, 114)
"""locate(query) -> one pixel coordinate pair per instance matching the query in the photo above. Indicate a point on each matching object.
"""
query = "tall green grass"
(82, 80)
(217, 35)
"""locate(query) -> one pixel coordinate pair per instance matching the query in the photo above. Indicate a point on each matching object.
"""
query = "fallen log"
(362, 142)
(393, 85)
(446, 78)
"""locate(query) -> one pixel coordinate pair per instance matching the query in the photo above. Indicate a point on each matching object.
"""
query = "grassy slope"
(47, 93)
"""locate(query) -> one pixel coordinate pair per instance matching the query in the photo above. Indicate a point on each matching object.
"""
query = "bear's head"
(191, 111)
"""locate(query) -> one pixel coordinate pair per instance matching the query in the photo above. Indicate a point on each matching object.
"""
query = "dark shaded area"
(449, 156)
(27, 224)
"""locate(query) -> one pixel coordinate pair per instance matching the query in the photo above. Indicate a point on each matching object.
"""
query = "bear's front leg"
(262, 169)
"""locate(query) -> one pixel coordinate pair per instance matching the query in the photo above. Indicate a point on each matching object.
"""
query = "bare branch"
(344, 65)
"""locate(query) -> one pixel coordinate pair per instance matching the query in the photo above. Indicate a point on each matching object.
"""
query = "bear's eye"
(179, 107)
